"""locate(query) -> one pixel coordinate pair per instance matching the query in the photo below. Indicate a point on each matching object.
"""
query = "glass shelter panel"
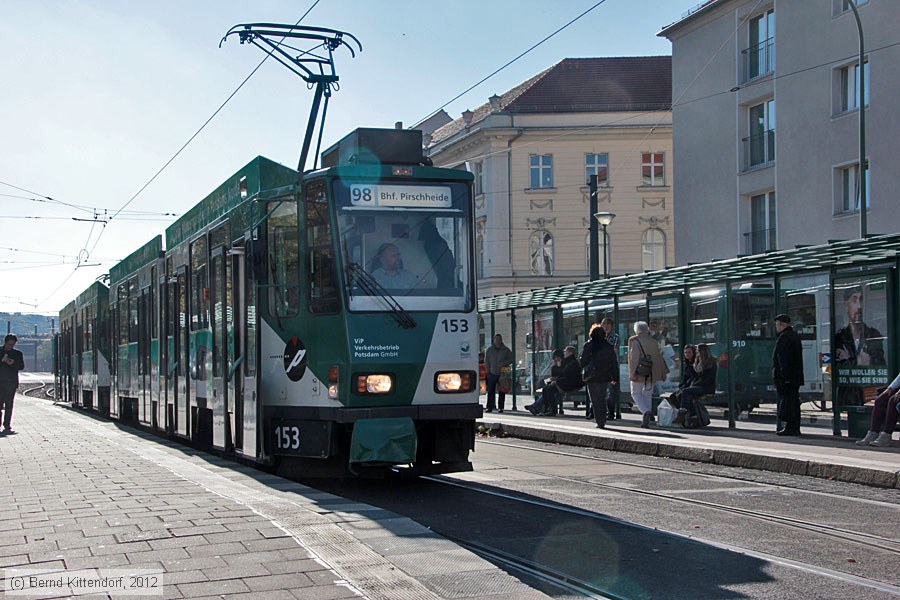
(752, 341)
(860, 352)
(708, 324)
(630, 310)
(545, 343)
(574, 332)
(807, 300)
(664, 329)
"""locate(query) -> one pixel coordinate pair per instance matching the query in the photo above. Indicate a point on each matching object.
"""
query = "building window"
(604, 265)
(541, 170)
(761, 236)
(760, 144)
(653, 249)
(478, 172)
(653, 168)
(850, 86)
(848, 189)
(842, 6)
(597, 164)
(759, 57)
(541, 248)
(479, 254)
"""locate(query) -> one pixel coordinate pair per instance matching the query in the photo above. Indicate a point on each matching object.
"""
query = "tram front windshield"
(405, 243)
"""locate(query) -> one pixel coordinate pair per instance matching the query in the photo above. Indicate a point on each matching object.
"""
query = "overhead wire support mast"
(313, 68)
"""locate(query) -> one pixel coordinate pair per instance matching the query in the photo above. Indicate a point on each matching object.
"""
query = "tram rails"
(534, 507)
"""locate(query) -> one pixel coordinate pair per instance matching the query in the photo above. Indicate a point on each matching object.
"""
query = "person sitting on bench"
(884, 417)
(705, 383)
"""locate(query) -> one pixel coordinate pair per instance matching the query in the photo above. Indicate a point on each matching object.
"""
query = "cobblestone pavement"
(84, 493)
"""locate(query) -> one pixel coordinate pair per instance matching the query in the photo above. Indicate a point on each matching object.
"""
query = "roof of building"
(688, 16)
(583, 85)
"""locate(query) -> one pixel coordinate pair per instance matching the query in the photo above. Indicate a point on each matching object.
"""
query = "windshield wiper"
(370, 286)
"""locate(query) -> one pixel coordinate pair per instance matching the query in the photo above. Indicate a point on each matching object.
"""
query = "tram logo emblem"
(464, 348)
(295, 359)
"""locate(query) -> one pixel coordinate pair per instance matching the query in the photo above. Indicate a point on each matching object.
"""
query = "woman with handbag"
(599, 368)
(645, 367)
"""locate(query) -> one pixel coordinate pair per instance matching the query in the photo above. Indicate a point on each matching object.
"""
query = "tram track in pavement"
(491, 553)
(861, 538)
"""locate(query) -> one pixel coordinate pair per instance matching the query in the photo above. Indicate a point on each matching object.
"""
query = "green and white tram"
(322, 324)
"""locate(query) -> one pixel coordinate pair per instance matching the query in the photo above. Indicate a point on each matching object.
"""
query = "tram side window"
(323, 286)
(754, 315)
(133, 318)
(802, 310)
(122, 310)
(284, 264)
(199, 285)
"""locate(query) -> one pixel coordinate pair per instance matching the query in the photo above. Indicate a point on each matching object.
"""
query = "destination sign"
(406, 196)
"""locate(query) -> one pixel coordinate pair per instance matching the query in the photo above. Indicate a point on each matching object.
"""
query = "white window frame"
(478, 172)
(653, 251)
(542, 164)
(840, 7)
(652, 180)
(594, 169)
(847, 189)
(540, 251)
(768, 124)
(765, 24)
(848, 84)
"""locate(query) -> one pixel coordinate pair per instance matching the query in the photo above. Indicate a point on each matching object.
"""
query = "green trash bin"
(859, 418)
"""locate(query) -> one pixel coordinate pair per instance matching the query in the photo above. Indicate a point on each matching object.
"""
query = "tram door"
(143, 357)
(181, 333)
(246, 294)
(222, 324)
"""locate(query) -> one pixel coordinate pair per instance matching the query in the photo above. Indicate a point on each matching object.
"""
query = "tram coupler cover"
(391, 441)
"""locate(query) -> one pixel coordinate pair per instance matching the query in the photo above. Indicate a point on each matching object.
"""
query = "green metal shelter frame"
(837, 259)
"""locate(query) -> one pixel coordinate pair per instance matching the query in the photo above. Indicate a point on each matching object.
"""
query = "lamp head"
(604, 218)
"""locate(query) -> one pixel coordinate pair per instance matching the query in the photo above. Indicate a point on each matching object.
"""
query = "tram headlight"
(454, 382)
(374, 383)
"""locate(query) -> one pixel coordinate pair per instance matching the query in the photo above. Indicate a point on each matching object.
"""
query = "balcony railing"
(761, 240)
(759, 150)
(758, 60)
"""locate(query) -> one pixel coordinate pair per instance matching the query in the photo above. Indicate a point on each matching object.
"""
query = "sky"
(98, 96)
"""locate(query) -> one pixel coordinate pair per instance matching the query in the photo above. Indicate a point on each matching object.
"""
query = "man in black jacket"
(787, 371)
(606, 366)
(11, 362)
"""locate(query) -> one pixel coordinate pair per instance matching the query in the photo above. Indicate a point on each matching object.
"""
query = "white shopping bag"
(665, 414)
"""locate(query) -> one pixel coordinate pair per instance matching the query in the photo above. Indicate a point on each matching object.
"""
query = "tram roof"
(779, 262)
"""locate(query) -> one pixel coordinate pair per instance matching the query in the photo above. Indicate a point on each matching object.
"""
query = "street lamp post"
(593, 258)
(605, 218)
(861, 188)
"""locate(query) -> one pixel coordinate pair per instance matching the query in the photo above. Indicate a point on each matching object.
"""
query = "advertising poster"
(860, 344)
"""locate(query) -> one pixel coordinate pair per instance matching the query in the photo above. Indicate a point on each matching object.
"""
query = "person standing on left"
(11, 362)
(787, 371)
(497, 355)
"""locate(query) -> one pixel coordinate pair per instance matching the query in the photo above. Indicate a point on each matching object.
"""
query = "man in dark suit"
(856, 345)
(787, 371)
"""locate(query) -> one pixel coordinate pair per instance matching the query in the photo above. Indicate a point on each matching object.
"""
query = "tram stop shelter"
(839, 297)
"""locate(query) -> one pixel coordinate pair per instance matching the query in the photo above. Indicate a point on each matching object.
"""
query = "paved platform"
(752, 444)
(81, 493)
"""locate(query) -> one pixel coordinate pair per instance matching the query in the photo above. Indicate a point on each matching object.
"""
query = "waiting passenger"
(641, 344)
(884, 417)
(547, 402)
(390, 273)
(598, 352)
(705, 382)
(688, 374)
(568, 381)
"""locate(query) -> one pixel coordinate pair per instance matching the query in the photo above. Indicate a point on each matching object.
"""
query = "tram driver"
(390, 273)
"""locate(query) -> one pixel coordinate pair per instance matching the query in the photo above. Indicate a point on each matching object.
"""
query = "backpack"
(644, 367)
